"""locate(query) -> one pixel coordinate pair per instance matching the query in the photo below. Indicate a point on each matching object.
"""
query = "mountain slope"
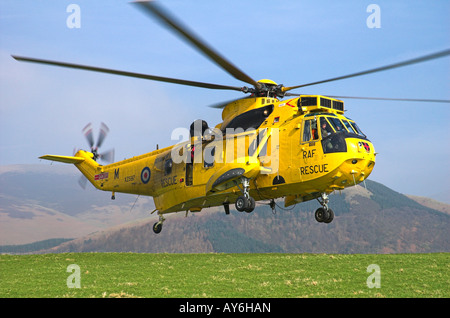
(44, 202)
(377, 220)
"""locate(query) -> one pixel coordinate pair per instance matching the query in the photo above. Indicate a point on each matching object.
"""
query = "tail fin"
(83, 161)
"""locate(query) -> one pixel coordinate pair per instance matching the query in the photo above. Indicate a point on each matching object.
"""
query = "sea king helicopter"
(300, 148)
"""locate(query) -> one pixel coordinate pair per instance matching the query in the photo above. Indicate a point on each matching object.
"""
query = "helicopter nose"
(358, 165)
(354, 171)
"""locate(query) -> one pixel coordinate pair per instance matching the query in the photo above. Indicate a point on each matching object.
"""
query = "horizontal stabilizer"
(65, 159)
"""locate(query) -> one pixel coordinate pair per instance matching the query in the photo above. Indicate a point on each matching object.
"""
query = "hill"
(431, 203)
(44, 202)
(377, 220)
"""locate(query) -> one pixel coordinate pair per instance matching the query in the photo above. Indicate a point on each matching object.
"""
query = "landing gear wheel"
(157, 227)
(321, 215)
(324, 214)
(241, 203)
(330, 216)
(250, 205)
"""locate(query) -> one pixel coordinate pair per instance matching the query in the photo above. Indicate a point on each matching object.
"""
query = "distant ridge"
(32, 247)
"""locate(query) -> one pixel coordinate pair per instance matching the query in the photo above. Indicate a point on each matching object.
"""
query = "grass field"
(225, 275)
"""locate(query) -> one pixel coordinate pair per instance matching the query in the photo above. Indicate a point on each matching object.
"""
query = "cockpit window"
(349, 127)
(337, 124)
(358, 131)
(325, 127)
(331, 140)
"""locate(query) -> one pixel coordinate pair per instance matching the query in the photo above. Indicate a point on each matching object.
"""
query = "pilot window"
(349, 127)
(325, 128)
(359, 132)
(337, 124)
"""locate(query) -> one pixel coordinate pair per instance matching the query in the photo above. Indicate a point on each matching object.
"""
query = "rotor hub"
(266, 88)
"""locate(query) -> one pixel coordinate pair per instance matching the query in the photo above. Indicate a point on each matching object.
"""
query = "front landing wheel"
(157, 227)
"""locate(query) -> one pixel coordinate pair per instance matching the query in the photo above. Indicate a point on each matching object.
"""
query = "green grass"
(224, 275)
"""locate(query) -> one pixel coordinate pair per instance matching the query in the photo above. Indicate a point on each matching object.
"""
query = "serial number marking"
(129, 178)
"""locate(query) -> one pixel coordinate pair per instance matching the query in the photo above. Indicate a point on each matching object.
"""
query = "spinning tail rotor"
(107, 156)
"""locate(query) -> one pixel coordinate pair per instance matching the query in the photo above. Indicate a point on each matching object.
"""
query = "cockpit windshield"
(330, 125)
(337, 124)
(358, 131)
(349, 127)
(335, 130)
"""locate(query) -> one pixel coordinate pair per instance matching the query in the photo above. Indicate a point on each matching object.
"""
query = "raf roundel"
(145, 175)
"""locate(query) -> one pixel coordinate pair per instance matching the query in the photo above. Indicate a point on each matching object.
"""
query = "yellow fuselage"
(292, 158)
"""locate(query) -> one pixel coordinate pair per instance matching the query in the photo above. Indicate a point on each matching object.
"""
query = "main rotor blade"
(221, 105)
(395, 99)
(168, 20)
(129, 74)
(378, 69)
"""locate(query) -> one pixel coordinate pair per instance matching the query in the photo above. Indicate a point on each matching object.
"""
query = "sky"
(43, 109)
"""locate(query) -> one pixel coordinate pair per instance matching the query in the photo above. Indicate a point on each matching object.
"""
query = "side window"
(256, 142)
(310, 130)
(314, 130)
(168, 167)
(209, 157)
(306, 130)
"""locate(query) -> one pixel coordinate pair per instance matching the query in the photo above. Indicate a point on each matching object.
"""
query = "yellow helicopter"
(301, 148)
